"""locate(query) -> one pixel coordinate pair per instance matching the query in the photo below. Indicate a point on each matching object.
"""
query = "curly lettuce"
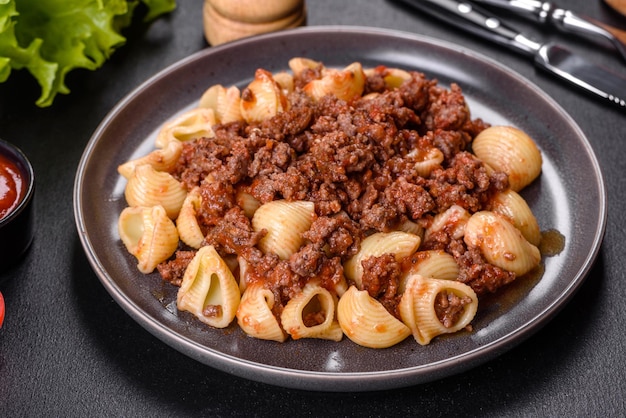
(49, 38)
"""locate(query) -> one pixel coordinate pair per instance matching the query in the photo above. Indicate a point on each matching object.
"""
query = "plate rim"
(361, 381)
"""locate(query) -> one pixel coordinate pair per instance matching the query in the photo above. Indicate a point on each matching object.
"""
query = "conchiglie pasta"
(163, 159)
(501, 243)
(243, 267)
(193, 124)
(393, 77)
(262, 99)
(247, 202)
(345, 84)
(426, 160)
(225, 102)
(508, 149)
(187, 222)
(148, 234)
(515, 209)
(300, 64)
(452, 221)
(209, 290)
(284, 221)
(148, 187)
(311, 314)
(285, 82)
(436, 264)
(365, 320)
(255, 316)
(281, 272)
(400, 244)
(412, 228)
(423, 307)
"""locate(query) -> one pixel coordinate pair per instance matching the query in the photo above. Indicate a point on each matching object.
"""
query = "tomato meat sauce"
(12, 186)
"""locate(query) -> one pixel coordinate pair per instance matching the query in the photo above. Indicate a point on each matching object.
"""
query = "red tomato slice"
(1, 309)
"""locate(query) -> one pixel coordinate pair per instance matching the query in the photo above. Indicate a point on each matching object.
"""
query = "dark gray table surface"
(67, 349)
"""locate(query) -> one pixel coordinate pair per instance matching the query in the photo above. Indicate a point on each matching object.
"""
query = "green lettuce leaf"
(50, 38)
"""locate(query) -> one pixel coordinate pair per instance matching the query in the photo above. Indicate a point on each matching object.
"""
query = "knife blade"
(547, 13)
(555, 59)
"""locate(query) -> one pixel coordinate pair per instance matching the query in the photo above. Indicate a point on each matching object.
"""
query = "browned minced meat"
(474, 270)
(212, 311)
(380, 278)
(449, 307)
(465, 182)
(313, 318)
(480, 275)
(233, 233)
(340, 234)
(352, 160)
(173, 270)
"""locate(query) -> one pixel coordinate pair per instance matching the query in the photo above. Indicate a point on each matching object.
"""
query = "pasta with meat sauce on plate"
(325, 202)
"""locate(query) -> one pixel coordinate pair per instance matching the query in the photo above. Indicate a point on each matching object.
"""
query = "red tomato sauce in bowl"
(17, 188)
(12, 186)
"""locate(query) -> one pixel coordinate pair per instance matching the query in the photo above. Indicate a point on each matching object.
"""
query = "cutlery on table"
(550, 57)
(548, 13)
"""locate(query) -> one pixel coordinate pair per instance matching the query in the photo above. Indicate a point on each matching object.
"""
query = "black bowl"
(17, 226)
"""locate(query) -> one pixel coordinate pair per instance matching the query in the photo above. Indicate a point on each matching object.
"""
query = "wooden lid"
(257, 11)
(219, 28)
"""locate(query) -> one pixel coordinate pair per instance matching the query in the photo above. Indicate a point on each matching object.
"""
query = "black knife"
(550, 57)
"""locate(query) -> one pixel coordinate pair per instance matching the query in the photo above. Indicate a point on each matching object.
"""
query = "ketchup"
(12, 186)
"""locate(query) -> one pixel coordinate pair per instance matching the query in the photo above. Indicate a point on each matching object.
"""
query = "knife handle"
(567, 21)
(541, 11)
(473, 19)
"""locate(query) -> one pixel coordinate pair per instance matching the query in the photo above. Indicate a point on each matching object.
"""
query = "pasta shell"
(263, 98)
(313, 299)
(400, 244)
(366, 321)
(299, 64)
(164, 159)
(224, 101)
(148, 187)
(341, 286)
(284, 221)
(393, 77)
(248, 203)
(344, 84)
(501, 243)
(255, 316)
(436, 264)
(418, 312)
(148, 234)
(209, 290)
(187, 223)
(285, 82)
(508, 149)
(515, 209)
(243, 273)
(426, 160)
(412, 228)
(452, 221)
(196, 123)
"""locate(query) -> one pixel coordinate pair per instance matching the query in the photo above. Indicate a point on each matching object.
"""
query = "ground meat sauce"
(350, 159)
(380, 279)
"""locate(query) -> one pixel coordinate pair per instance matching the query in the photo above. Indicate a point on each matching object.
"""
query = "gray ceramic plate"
(568, 197)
